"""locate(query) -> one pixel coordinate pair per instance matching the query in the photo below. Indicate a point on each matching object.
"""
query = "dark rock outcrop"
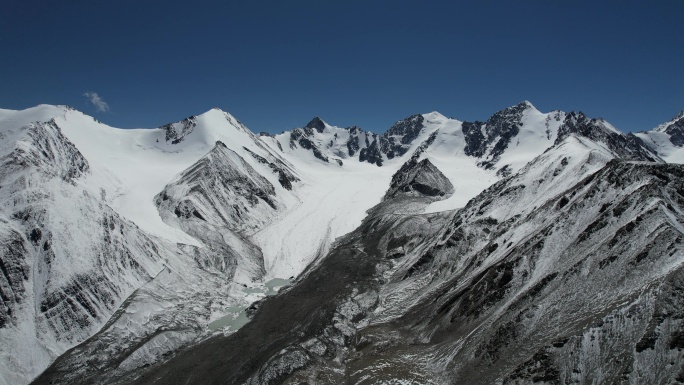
(176, 132)
(316, 124)
(303, 137)
(626, 146)
(285, 176)
(419, 179)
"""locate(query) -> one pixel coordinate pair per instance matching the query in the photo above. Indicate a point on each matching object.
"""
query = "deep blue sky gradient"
(276, 64)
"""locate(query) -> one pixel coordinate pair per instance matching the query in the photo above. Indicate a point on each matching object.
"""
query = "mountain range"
(529, 248)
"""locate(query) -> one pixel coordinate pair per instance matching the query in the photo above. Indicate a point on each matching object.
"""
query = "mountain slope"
(84, 237)
(160, 232)
(667, 139)
(69, 260)
(496, 291)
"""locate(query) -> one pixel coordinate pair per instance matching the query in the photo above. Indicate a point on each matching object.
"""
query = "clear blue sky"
(276, 64)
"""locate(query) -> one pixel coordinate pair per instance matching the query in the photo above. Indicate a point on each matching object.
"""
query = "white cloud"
(97, 101)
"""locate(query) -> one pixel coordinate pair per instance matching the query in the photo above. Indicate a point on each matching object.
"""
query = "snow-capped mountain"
(120, 247)
(569, 270)
(667, 139)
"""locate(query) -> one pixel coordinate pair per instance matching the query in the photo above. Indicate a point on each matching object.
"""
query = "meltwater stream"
(235, 316)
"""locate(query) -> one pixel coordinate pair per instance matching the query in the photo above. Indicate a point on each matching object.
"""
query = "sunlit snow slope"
(93, 214)
(667, 139)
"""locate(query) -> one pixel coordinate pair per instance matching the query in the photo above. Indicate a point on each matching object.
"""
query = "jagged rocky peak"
(677, 119)
(490, 139)
(628, 147)
(354, 129)
(674, 128)
(408, 129)
(526, 104)
(507, 121)
(419, 179)
(316, 124)
(393, 143)
(302, 137)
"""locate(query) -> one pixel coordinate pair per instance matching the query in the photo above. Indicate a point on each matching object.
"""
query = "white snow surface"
(660, 141)
(130, 166)
(134, 165)
(333, 201)
(539, 132)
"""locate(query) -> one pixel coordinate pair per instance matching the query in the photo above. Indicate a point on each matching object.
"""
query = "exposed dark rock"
(49, 151)
(285, 176)
(302, 136)
(419, 179)
(502, 127)
(201, 191)
(13, 274)
(474, 139)
(316, 124)
(353, 143)
(407, 129)
(371, 154)
(176, 132)
(627, 147)
(504, 171)
(393, 143)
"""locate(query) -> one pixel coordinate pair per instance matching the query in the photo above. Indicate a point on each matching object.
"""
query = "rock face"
(221, 188)
(316, 124)
(499, 130)
(68, 261)
(285, 176)
(302, 137)
(625, 146)
(220, 200)
(15, 273)
(419, 179)
(675, 129)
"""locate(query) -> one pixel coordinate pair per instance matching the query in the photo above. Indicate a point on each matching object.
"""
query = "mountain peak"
(434, 115)
(317, 124)
(526, 103)
(665, 126)
(214, 112)
(513, 112)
